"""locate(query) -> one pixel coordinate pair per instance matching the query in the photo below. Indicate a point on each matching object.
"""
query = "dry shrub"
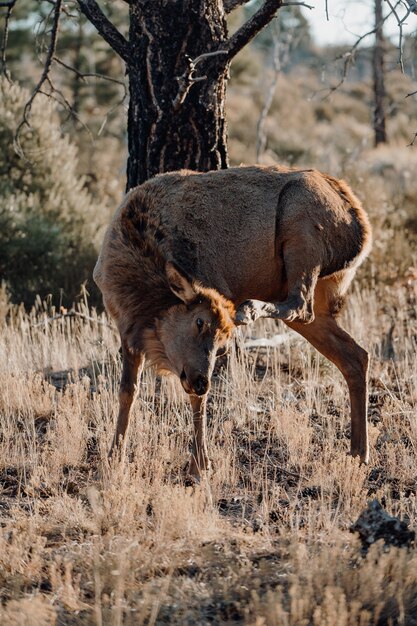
(265, 540)
(27, 611)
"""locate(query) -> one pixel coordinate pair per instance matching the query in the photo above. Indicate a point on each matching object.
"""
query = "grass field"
(264, 540)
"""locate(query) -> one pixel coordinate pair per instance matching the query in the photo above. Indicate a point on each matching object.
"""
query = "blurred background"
(302, 93)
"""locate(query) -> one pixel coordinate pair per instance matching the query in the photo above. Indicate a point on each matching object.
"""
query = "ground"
(265, 539)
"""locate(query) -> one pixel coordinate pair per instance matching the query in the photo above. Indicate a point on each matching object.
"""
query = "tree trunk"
(174, 122)
(379, 78)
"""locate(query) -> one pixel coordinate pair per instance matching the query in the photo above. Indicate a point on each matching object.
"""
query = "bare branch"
(105, 28)
(84, 75)
(348, 58)
(63, 102)
(43, 78)
(298, 4)
(412, 6)
(280, 58)
(64, 9)
(252, 27)
(261, 137)
(400, 22)
(187, 79)
(400, 42)
(230, 5)
(10, 6)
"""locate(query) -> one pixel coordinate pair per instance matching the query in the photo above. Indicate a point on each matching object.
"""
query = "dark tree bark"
(177, 59)
(172, 121)
(379, 77)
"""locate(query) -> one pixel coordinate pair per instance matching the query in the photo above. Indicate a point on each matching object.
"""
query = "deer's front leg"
(199, 457)
(131, 365)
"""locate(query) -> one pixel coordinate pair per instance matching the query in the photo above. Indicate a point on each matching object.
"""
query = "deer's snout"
(195, 383)
(200, 385)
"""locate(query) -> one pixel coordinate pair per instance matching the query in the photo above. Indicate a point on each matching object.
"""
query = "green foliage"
(47, 219)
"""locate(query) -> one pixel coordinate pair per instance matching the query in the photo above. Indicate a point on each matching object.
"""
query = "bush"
(47, 218)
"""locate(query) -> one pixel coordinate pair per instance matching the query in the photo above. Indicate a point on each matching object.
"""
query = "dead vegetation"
(265, 541)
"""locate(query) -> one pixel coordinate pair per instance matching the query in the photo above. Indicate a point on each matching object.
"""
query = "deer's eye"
(200, 324)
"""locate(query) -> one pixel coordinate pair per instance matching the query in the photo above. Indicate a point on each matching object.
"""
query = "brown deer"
(188, 256)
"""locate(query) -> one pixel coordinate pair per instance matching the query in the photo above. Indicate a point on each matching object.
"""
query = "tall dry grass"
(264, 540)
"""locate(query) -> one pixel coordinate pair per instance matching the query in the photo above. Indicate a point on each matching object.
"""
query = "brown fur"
(181, 216)
(222, 311)
(292, 239)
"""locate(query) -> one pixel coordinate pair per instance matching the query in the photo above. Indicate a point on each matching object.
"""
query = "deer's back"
(228, 228)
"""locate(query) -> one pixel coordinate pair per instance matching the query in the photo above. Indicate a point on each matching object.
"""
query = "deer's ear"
(180, 284)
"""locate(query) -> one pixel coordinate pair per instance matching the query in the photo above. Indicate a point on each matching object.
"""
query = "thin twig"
(62, 100)
(349, 56)
(276, 62)
(10, 6)
(64, 9)
(43, 78)
(297, 4)
(280, 58)
(84, 75)
(284, 470)
(71, 313)
(187, 79)
(400, 22)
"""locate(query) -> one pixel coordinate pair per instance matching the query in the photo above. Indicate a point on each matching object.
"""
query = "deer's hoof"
(251, 310)
(362, 454)
(195, 471)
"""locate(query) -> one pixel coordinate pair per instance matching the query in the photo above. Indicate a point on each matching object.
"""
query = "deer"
(190, 256)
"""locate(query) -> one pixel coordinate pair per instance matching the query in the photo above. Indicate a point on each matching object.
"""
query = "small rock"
(375, 523)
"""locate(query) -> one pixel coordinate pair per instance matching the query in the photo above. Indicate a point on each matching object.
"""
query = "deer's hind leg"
(302, 269)
(327, 336)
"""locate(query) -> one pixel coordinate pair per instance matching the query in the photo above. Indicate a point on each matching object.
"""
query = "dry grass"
(264, 541)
